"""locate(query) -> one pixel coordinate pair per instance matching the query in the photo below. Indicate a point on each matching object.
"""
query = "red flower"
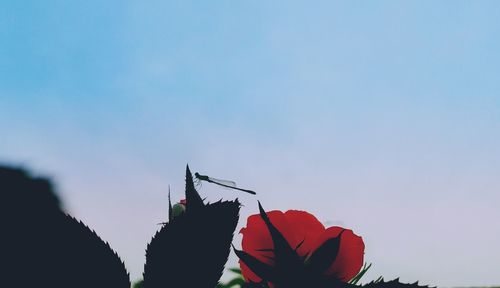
(302, 230)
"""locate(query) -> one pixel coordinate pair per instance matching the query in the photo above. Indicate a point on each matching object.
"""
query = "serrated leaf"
(284, 253)
(43, 247)
(199, 237)
(392, 284)
(325, 255)
(263, 270)
(86, 260)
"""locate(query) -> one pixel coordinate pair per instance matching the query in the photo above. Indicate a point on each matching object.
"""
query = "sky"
(378, 116)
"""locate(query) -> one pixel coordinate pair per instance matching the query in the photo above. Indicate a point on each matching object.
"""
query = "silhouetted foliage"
(24, 195)
(392, 284)
(44, 247)
(192, 248)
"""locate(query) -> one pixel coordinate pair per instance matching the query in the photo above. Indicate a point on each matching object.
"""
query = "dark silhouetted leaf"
(263, 270)
(392, 284)
(43, 247)
(200, 237)
(325, 255)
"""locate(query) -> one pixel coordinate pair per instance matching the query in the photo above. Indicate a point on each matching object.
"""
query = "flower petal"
(350, 256)
(256, 237)
(306, 228)
(296, 226)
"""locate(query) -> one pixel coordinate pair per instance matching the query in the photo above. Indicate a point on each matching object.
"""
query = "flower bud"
(179, 208)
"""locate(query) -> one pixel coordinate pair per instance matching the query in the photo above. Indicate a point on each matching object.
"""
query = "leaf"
(325, 255)
(233, 282)
(200, 237)
(392, 284)
(361, 273)
(85, 260)
(235, 270)
(44, 247)
(284, 253)
(263, 270)
(192, 196)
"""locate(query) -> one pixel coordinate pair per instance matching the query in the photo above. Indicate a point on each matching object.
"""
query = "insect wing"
(223, 182)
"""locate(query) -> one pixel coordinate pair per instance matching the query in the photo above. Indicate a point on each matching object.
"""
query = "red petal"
(296, 226)
(350, 256)
(256, 236)
(306, 228)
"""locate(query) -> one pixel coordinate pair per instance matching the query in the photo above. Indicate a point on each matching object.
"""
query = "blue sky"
(381, 116)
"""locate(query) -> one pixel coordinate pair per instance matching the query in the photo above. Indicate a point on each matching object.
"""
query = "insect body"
(223, 183)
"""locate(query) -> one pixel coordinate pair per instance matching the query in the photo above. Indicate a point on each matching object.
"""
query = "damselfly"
(223, 183)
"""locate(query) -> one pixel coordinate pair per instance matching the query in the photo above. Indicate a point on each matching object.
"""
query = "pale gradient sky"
(383, 116)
